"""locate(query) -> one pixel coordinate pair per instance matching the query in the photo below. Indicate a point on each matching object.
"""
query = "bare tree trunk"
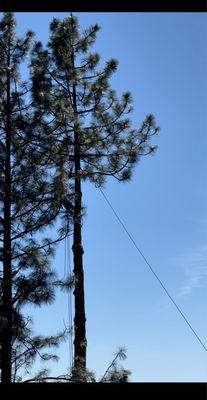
(79, 318)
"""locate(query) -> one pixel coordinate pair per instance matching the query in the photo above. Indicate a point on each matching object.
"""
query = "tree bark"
(80, 342)
(79, 318)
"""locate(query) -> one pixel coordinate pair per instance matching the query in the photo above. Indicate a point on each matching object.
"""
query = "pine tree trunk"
(80, 342)
(79, 318)
(7, 273)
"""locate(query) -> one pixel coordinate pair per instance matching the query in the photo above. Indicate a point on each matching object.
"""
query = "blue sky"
(162, 61)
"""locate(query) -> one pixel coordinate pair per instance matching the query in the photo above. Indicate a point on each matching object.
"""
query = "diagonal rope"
(152, 270)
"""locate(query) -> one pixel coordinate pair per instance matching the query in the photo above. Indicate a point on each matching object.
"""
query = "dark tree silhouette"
(31, 198)
(95, 137)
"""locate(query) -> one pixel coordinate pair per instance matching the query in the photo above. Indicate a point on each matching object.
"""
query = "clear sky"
(162, 61)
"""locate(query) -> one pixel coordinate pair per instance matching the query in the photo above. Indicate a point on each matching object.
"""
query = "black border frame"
(104, 6)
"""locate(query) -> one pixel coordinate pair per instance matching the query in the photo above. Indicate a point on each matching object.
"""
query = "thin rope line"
(70, 304)
(65, 261)
(151, 269)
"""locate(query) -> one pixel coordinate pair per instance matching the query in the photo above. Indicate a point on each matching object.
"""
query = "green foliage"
(28, 347)
(114, 373)
(79, 97)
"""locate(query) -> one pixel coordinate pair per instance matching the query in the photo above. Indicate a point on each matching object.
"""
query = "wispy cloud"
(194, 266)
(192, 272)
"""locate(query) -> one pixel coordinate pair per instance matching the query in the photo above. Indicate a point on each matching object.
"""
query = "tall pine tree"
(31, 198)
(95, 135)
